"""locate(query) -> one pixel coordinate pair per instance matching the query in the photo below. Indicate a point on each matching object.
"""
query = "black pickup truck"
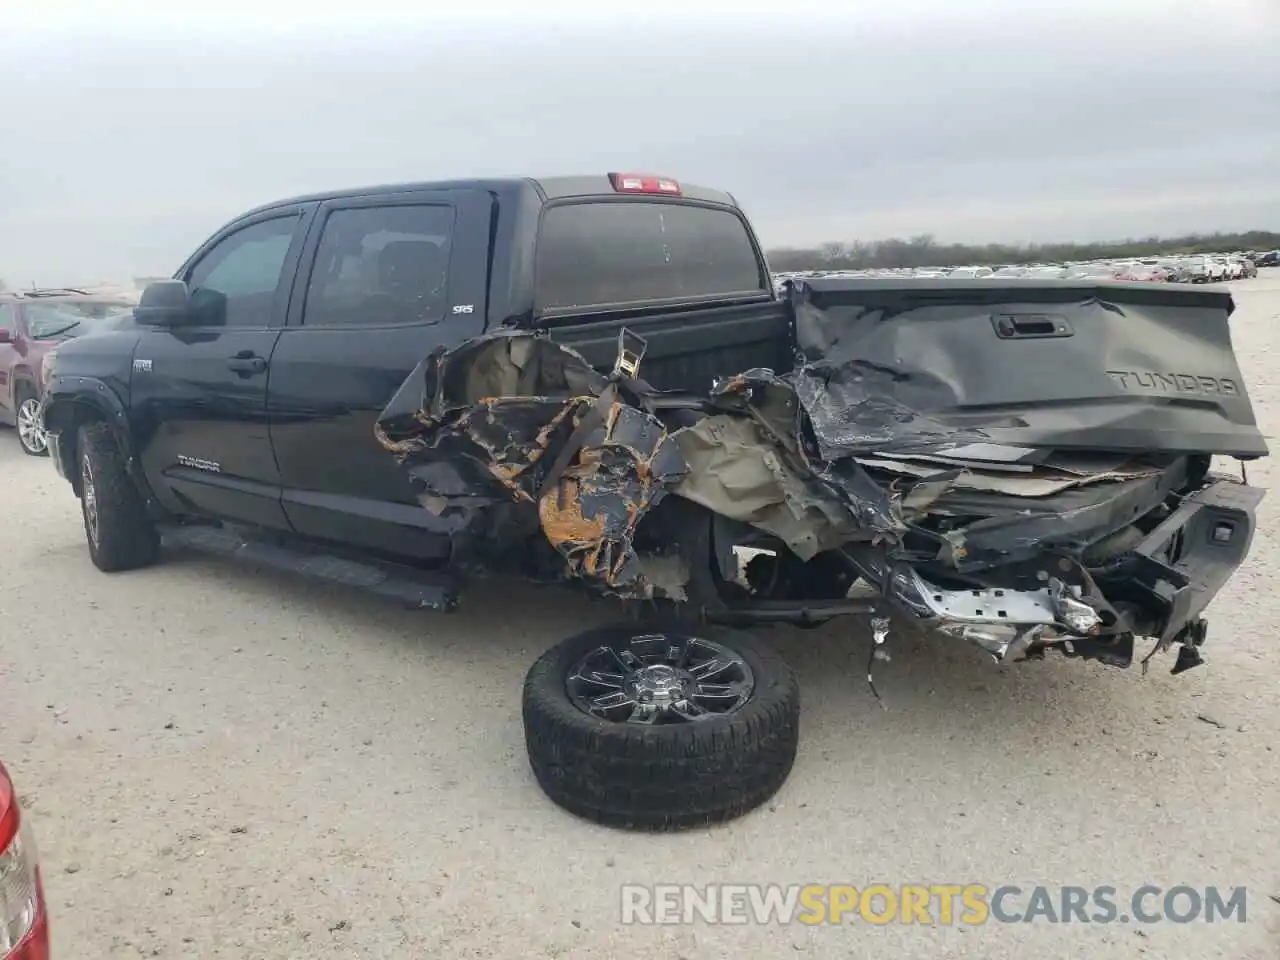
(593, 379)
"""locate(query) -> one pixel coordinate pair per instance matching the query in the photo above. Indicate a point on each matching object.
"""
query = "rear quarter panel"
(27, 371)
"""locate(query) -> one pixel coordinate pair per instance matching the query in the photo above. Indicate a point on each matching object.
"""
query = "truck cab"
(248, 388)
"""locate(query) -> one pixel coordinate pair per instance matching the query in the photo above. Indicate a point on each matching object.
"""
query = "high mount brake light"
(24, 925)
(644, 183)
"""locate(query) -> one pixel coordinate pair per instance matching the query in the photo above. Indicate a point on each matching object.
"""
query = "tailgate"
(1116, 366)
(687, 350)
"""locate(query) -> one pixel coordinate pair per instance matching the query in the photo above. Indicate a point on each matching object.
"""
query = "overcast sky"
(129, 135)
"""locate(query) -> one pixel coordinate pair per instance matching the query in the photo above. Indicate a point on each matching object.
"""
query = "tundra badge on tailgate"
(1152, 382)
(142, 366)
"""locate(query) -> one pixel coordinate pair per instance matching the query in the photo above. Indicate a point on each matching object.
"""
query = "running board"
(416, 588)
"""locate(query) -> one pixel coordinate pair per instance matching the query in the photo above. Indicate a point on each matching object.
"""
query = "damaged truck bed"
(1025, 466)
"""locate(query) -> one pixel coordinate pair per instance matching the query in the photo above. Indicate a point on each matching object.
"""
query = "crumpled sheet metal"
(735, 471)
(590, 514)
(852, 401)
(748, 464)
(505, 405)
(893, 367)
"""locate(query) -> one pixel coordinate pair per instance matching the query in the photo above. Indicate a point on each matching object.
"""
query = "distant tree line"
(925, 251)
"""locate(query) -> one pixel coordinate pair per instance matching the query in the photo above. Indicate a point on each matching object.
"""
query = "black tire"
(119, 534)
(22, 395)
(664, 776)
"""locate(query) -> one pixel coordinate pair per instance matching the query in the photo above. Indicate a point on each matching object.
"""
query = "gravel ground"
(226, 763)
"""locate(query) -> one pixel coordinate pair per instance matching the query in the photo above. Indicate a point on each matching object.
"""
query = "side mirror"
(165, 303)
(6, 336)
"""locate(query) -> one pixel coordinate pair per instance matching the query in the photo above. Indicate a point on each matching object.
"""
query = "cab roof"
(548, 188)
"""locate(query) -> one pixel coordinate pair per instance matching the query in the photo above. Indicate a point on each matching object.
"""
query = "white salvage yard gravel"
(225, 763)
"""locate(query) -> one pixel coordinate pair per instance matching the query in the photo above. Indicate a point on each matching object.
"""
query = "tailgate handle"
(1029, 326)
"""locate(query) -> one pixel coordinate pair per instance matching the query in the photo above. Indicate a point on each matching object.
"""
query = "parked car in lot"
(33, 324)
(24, 918)
(593, 380)
(1141, 272)
(1090, 271)
(1180, 270)
(1176, 268)
(1207, 270)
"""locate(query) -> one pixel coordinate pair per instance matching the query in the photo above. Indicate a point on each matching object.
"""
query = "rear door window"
(381, 265)
(627, 251)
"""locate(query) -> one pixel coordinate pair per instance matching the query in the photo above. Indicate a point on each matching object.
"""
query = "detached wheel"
(30, 434)
(661, 729)
(115, 521)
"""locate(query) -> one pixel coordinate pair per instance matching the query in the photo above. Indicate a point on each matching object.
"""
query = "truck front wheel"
(115, 521)
(661, 728)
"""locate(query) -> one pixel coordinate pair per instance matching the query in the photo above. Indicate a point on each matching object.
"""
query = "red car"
(33, 323)
(24, 921)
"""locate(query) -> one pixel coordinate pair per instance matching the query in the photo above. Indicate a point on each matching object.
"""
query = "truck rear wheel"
(661, 728)
(115, 521)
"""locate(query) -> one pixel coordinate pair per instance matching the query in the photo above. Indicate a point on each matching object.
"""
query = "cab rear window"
(606, 253)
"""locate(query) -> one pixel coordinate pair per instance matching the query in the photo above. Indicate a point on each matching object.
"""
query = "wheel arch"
(24, 380)
(65, 415)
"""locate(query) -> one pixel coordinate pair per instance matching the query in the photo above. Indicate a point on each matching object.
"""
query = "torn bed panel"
(516, 417)
(771, 404)
(892, 367)
(623, 469)
(1012, 530)
(735, 471)
(1040, 482)
(957, 494)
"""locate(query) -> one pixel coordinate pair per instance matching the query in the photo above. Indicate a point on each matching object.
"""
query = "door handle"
(246, 362)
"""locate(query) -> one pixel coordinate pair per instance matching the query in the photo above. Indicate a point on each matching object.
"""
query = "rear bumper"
(1185, 561)
(1158, 590)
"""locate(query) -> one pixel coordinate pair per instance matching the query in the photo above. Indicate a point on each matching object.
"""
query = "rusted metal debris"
(532, 418)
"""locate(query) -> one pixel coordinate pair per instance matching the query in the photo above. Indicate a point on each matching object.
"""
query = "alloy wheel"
(89, 499)
(661, 678)
(30, 433)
